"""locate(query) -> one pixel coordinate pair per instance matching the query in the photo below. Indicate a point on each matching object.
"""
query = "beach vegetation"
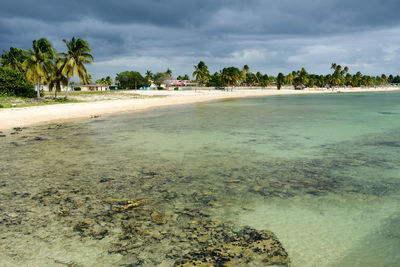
(201, 73)
(131, 80)
(184, 77)
(56, 79)
(280, 80)
(38, 64)
(14, 83)
(107, 81)
(14, 58)
(231, 76)
(215, 80)
(162, 78)
(74, 60)
(149, 75)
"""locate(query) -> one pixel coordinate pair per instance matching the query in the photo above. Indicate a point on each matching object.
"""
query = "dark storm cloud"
(269, 35)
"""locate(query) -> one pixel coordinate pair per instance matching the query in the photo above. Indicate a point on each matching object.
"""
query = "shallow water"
(319, 171)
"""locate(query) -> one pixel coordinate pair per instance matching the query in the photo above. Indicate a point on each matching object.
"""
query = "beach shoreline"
(37, 115)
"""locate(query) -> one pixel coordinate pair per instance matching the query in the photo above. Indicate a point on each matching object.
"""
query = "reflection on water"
(208, 182)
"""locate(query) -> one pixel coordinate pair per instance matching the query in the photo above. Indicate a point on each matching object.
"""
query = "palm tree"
(57, 79)
(246, 69)
(201, 73)
(38, 63)
(231, 76)
(78, 54)
(14, 58)
(149, 75)
(280, 79)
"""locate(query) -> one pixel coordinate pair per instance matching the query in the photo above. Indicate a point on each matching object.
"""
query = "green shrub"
(160, 88)
(176, 88)
(77, 88)
(14, 83)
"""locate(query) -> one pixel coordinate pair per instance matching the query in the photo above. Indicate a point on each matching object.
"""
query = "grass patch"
(73, 97)
(18, 102)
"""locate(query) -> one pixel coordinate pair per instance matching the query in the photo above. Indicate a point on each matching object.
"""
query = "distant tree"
(264, 80)
(280, 80)
(301, 78)
(149, 75)
(105, 81)
(251, 78)
(201, 73)
(215, 80)
(259, 77)
(78, 54)
(246, 69)
(384, 79)
(231, 76)
(290, 78)
(337, 78)
(396, 79)
(186, 77)
(131, 80)
(162, 78)
(14, 58)
(169, 71)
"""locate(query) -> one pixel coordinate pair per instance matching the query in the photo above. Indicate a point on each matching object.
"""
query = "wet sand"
(28, 116)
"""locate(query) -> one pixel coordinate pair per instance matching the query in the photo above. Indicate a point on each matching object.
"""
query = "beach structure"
(182, 83)
(92, 87)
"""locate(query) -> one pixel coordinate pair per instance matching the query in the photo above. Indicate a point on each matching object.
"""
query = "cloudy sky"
(270, 36)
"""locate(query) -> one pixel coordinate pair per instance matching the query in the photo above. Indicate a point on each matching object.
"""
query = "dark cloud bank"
(269, 36)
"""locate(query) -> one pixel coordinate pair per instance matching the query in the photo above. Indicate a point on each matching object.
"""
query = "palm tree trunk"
(66, 92)
(38, 90)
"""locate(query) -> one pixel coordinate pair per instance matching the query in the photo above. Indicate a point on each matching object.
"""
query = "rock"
(99, 233)
(248, 247)
(83, 225)
(196, 263)
(158, 218)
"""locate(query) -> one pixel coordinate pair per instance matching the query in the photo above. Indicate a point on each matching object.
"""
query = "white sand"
(28, 116)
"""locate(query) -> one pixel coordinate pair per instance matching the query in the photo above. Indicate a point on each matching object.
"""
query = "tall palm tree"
(57, 79)
(14, 58)
(201, 73)
(149, 76)
(78, 54)
(280, 79)
(231, 76)
(38, 63)
(290, 78)
(246, 69)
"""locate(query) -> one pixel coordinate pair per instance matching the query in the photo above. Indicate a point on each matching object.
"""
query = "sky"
(269, 36)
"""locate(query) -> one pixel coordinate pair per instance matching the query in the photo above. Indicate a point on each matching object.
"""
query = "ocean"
(171, 186)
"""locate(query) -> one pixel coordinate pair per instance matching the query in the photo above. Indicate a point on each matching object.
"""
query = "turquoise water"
(320, 171)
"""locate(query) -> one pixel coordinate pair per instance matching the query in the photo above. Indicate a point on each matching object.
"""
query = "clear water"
(320, 171)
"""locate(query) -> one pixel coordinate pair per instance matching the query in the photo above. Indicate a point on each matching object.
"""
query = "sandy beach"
(28, 116)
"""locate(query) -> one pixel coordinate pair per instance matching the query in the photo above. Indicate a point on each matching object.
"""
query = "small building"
(113, 87)
(92, 87)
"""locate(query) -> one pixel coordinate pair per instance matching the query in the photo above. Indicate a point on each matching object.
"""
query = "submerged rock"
(248, 246)
(158, 218)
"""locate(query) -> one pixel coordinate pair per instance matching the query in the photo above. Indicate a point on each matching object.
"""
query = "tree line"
(42, 65)
(233, 76)
(340, 77)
